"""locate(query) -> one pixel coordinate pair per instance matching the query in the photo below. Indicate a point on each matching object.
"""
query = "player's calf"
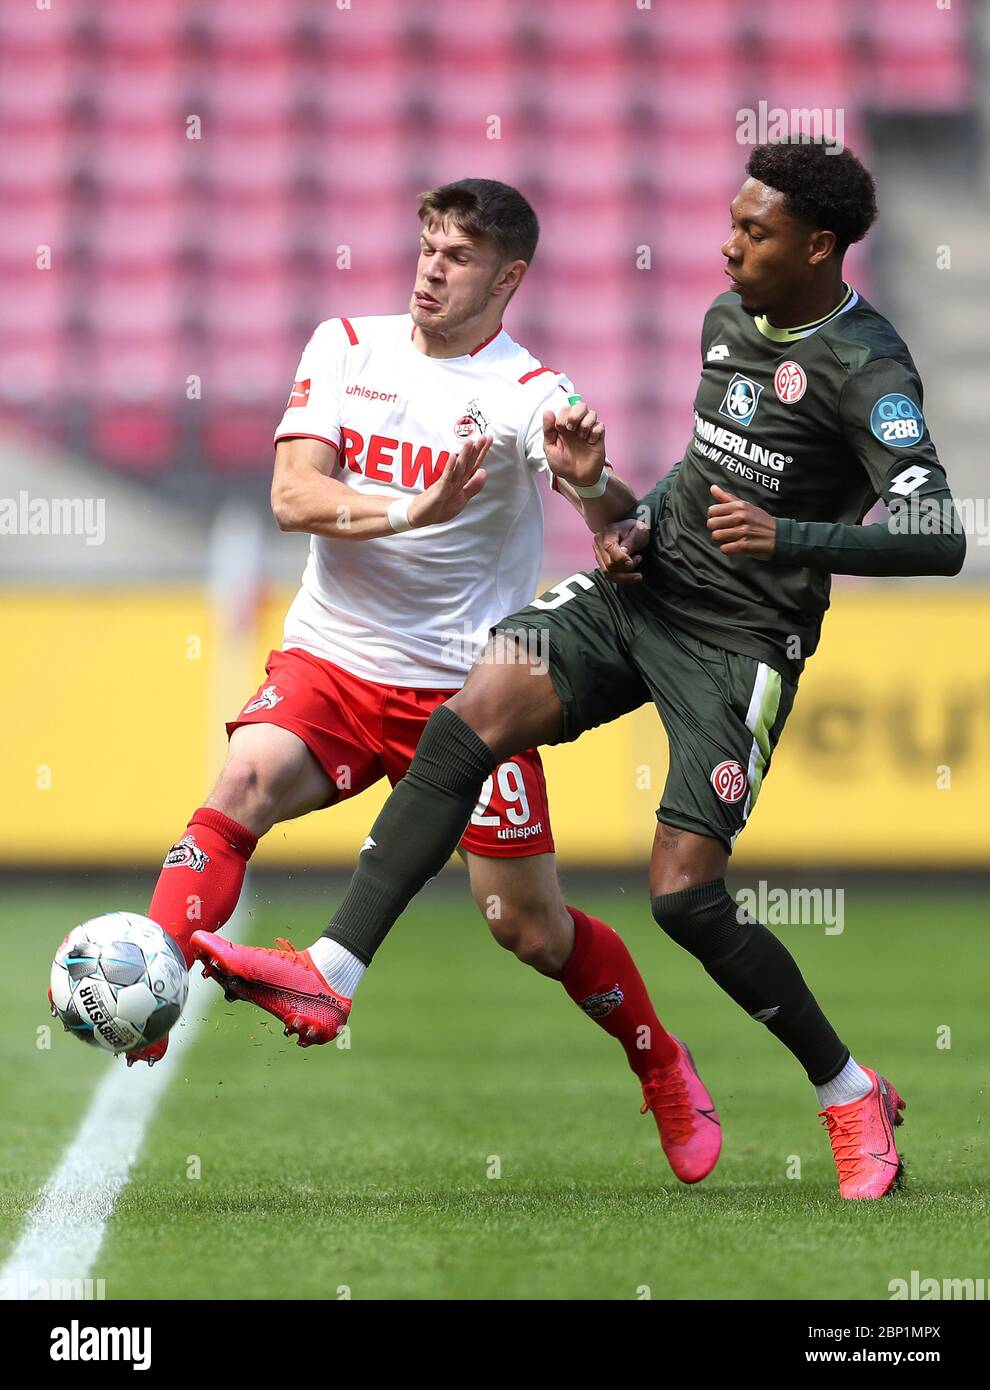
(755, 969)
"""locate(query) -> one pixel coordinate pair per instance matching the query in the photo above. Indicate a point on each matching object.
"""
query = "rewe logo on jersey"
(741, 399)
(385, 460)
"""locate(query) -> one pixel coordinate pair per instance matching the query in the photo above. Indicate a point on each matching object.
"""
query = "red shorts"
(360, 731)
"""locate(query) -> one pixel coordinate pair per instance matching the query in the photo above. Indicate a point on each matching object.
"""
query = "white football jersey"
(413, 608)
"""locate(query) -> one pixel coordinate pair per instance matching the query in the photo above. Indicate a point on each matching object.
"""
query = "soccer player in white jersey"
(416, 552)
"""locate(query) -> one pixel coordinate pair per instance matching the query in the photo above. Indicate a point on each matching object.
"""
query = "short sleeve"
(553, 397)
(884, 425)
(313, 409)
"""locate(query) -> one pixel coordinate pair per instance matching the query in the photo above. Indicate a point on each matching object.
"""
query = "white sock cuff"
(339, 967)
(852, 1083)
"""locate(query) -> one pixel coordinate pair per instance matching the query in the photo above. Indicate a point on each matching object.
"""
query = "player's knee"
(489, 703)
(472, 705)
(246, 794)
(703, 919)
(528, 930)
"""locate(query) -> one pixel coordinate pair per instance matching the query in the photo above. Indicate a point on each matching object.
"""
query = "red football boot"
(690, 1133)
(863, 1146)
(151, 1054)
(284, 982)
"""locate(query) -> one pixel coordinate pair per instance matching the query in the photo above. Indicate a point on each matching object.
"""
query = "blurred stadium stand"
(212, 258)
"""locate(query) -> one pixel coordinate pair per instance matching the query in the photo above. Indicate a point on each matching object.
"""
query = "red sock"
(601, 977)
(202, 877)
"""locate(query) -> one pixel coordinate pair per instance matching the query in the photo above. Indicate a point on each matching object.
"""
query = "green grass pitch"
(367, 1172)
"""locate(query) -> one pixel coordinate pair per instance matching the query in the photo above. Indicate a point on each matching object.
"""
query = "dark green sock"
(756, 970)
(418, 829)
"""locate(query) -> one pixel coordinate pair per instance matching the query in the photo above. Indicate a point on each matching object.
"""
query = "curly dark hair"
(823, 184)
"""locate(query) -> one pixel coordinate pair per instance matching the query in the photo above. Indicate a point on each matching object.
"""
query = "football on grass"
(118, 982)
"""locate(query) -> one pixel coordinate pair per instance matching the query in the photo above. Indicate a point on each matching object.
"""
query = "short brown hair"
(489, 211)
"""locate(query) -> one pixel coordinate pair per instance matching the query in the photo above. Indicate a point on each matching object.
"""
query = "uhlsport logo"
(598, 1005)
(266, 698)
(186, 854)
(789, 382)
(740, 400)
(729, 781)
(896, 420)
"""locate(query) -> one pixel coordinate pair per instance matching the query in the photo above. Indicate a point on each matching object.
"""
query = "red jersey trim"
(476, 350)
(412, 337)
(537, 372)
(293, 434)
(349, 330)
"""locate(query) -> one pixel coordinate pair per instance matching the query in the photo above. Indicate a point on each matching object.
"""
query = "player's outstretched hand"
(574, 443)
(739, 528)
(462, 479)
(617, 550)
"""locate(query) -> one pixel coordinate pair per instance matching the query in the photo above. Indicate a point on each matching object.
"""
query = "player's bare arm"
(618, 550)
(305, 497)
(574, 443)
(741, 528)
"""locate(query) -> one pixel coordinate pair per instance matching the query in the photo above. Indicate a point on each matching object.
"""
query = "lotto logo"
(729, 781)
(789, 382)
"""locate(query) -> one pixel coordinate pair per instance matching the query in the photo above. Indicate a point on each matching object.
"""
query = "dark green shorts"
(609, 652)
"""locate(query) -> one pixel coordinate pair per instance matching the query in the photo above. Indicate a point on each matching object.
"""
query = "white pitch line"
(65, 1228)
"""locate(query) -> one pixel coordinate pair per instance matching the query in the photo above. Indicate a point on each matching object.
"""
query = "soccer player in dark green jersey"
(708, 601)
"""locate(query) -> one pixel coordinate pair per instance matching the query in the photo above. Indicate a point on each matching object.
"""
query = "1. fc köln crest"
(266, 698)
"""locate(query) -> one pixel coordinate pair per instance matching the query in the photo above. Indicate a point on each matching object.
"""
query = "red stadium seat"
(141, 440)
(216, 257)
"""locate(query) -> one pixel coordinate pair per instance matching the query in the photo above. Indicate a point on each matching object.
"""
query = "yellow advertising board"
(114, 702)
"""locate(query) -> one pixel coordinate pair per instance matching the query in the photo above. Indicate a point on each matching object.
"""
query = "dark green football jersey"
(811, 424)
